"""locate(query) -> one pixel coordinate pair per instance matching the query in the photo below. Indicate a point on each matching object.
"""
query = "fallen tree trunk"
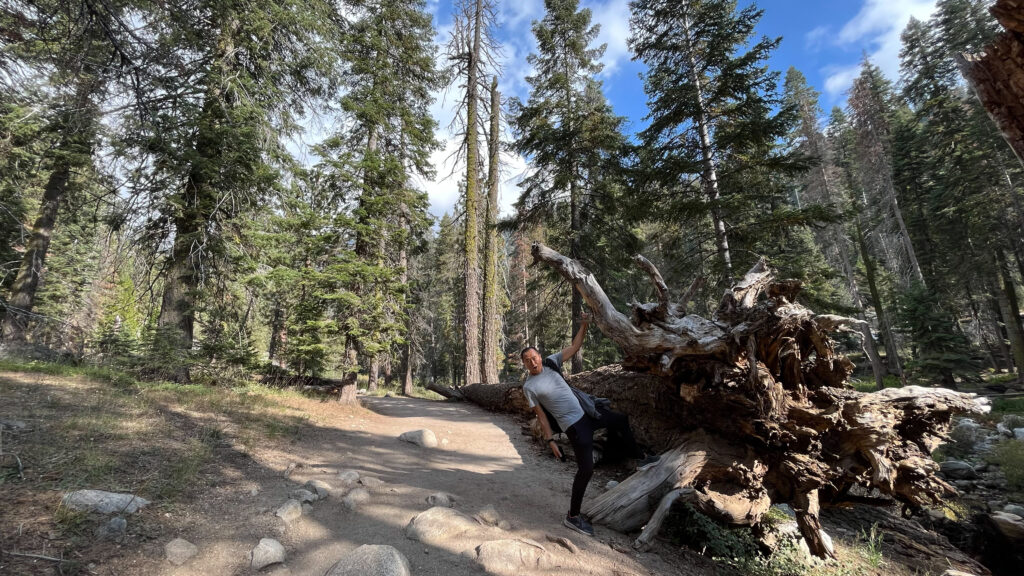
(753, 407)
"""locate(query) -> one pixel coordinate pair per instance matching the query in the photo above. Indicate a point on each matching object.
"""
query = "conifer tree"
(471, 52)
(566, 130)
(698, 77)
(492, 319)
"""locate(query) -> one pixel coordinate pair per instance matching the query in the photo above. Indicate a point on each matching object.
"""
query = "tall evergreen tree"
(698, 78)
(566, 129)
(492, 319)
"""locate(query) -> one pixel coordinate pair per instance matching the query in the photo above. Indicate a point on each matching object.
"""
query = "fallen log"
(752, 407)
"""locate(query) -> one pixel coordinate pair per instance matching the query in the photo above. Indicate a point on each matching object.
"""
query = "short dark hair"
(527, 349)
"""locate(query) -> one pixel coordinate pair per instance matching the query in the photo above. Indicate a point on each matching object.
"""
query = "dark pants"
(581, 434)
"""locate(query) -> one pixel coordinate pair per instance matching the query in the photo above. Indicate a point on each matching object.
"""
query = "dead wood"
(752, 407)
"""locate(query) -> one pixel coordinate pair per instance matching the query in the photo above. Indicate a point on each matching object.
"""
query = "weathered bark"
(276, 331)
(347, 385)
(754, 408)
(374, 374)
(997, 75)
(470, 239)
(492, 320)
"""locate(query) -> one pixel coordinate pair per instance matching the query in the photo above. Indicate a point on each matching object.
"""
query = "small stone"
(104, 502)
(254, 491)
(15, 425)
(303, 495)
(179, 551)
(348, 477)
(267, 552)
(504, 525)
(1014, 509)
(563, 542)
(610, 484)
(372, 560)
(488, 515)
(115, 529)
(441, 499)
(444, 442)
(1018, 433)
(957, 573)
(936, 514)
(424, 437)
(307, 508)
(1010, 525)
(289, 511)
(355, 498)
(1004, 431)
(958, 470)
(319, 487)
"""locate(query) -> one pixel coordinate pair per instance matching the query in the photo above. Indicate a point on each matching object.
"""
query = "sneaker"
(579, 524)
(647, 462)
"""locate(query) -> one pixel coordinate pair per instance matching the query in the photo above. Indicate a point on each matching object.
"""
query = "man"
(546, 389)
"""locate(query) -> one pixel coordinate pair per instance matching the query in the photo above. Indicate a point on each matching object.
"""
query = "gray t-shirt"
(550, 390)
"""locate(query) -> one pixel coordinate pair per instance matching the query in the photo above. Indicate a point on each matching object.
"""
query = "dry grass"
(103, 430)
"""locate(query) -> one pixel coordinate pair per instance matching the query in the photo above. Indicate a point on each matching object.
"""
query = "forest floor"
(217, 463)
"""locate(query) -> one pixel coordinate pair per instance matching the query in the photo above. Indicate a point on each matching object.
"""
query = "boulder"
(179, 551)
(610, 484)
(438, 525)
(371, 560)
(1014, 509)
(1004, 431)
(319, 487)
(267, 552)
(355, 498)
(1009, 525)
(957, 470)
(347, 478)
(424, 438)
(303, 495)
(1018, 433)
(511, 556)
(103, 502)
(115, 529)
(289, 511)
(441, 499)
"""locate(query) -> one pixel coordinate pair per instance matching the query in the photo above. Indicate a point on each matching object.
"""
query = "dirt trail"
(483, 460)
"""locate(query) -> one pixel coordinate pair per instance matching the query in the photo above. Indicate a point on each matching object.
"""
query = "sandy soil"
(486, 461)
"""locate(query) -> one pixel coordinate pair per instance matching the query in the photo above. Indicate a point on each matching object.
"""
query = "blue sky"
(823, 39)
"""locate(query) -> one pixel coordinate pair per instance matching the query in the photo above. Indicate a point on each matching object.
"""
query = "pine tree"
(492, 318)
(567, 130)
(698, 78)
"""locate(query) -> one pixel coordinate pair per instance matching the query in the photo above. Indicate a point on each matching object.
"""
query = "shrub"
(1009, 456)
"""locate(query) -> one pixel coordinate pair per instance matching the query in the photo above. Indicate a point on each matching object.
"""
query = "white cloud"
(814, 39)
(875, 30)
(613, 17)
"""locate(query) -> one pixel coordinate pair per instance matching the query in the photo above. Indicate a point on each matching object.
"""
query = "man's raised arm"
(577, 341)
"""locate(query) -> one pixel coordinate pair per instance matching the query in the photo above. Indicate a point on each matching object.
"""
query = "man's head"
(532, 361)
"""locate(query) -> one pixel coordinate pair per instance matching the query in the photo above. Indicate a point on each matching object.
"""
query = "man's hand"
(556, 450)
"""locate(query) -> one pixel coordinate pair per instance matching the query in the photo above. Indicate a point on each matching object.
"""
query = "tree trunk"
(77, 125)
(1010, 310)
(470, 239)
(997, 75)
(891, 352)
(492, 320)
(23, 291)
(276, 330)
(709, 174)
(374, 375)
(347, 394)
